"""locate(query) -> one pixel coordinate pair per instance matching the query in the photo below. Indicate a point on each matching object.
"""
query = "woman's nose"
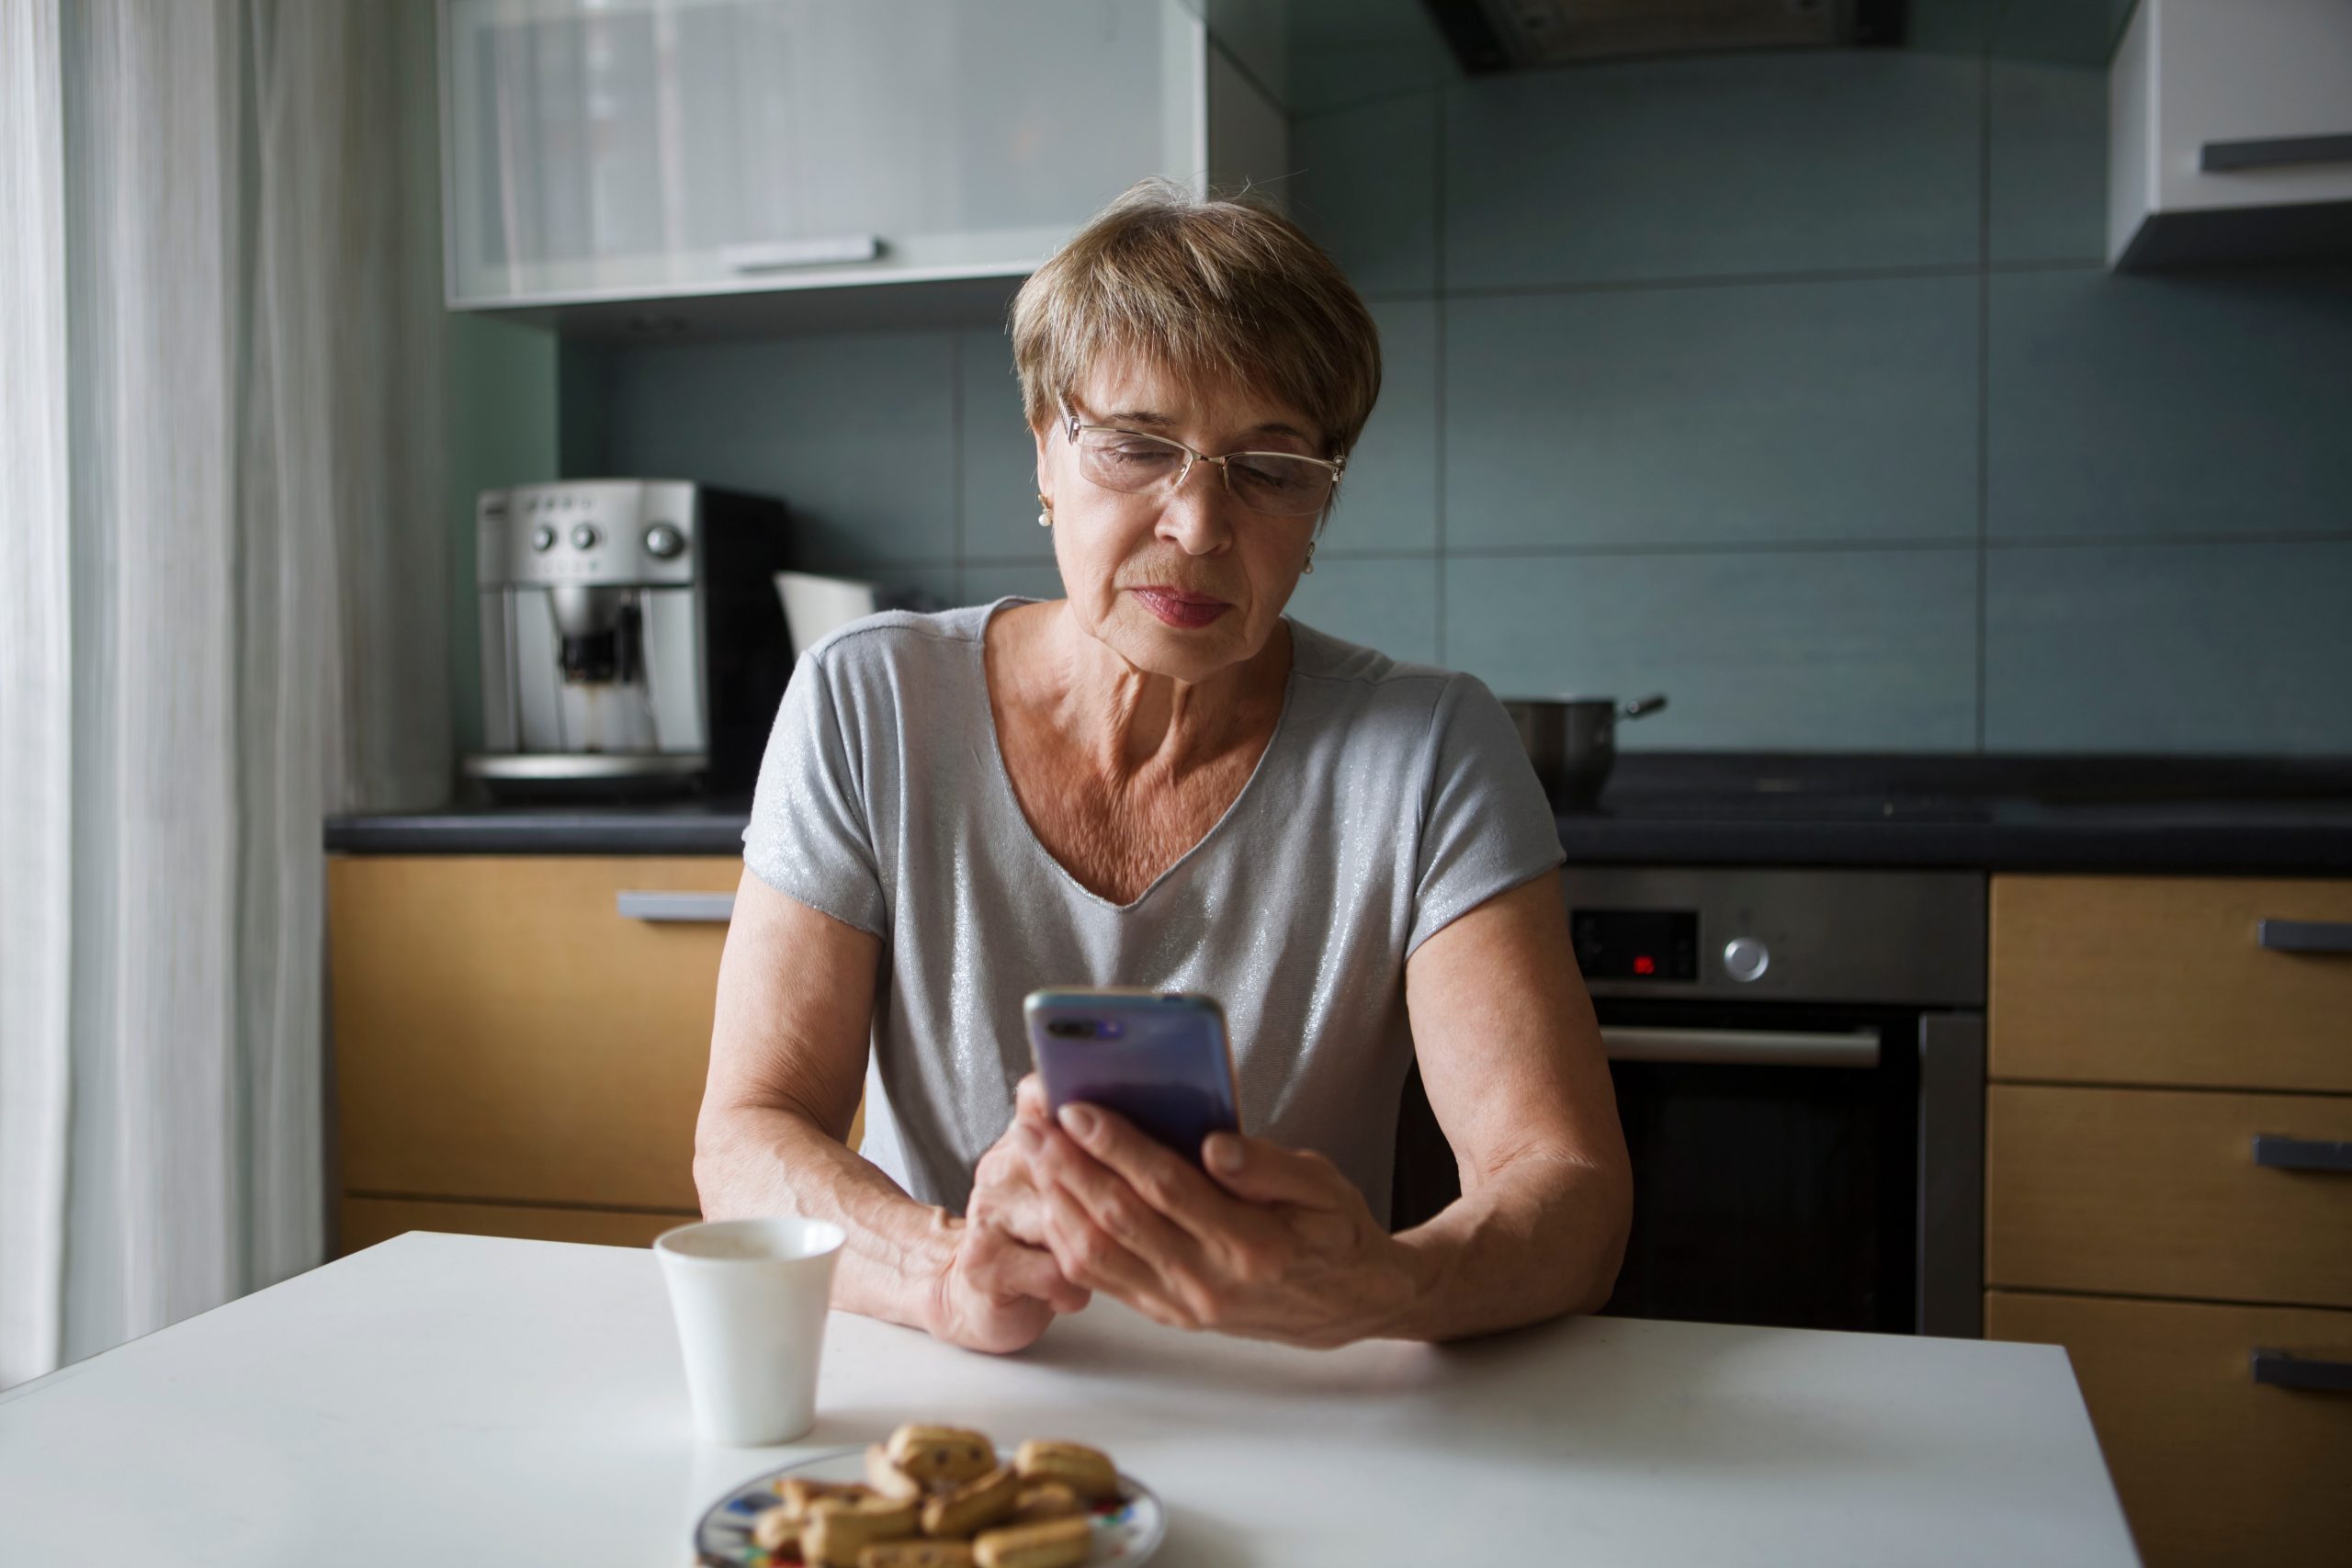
(1195, 514)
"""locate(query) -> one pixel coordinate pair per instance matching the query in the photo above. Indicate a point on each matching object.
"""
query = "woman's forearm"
(755, 1160)
(1541, 1237)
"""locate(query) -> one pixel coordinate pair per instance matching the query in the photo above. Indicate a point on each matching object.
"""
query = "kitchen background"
(1796, 386)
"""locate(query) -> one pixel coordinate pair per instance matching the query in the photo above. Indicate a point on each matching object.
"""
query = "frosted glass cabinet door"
(625, 147)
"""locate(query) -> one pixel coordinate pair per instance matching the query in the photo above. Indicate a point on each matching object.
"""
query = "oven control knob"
(1746, 959)
(543, 538)
(584, 535)
(663, 541)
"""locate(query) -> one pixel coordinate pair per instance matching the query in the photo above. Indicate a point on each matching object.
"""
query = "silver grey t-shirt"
(1392, 798)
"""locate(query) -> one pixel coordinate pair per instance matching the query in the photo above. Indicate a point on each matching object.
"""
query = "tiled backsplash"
(1791, 385)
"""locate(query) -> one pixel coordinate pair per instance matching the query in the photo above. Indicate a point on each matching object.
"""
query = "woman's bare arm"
(787, 1063)
(1511, 1059)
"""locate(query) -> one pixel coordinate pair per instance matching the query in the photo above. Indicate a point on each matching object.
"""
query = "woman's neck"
(1129, 721)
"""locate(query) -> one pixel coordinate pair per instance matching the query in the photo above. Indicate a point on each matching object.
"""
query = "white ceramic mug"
(750, 1298)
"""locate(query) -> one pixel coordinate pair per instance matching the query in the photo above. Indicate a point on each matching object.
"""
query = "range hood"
(1489, 36)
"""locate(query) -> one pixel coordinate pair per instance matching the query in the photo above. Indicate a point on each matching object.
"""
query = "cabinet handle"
(676, 908)
(2301, 1153)
(834, 250)
(2284, 1369)
(2273, 152)
(2304, 936)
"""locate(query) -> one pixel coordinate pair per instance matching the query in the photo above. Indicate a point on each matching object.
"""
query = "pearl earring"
(1044, 511)
(1309, 570)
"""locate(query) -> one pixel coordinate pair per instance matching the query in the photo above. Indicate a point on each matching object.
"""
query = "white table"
(452, 1399)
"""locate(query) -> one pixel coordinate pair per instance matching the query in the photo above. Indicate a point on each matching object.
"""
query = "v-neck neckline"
(1029, 829)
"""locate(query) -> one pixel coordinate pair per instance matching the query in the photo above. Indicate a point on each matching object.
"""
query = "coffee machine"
(631, 638)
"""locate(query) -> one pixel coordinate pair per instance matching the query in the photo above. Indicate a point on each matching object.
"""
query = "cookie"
(776, 1530)
(917, 1554)
(1044, 1500)
(838, 1529)
(974, 1506)
(798, 1492)
(1084, 1470)
(1055, 1543)
(888, 1479)
(940, 1453)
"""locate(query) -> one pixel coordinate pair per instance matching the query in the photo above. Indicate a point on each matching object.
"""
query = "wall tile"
(1706, 167)
(1388, 500)
(1000, 459)
(1959, 27)
(2170, 648)
(1388, 603)
(1036, 578)
(2049, 163)
(1840, 410)
(1827, 650)
(856, 434)
(2149, 405)
(1344, 51)
(1366, 190)
(2078, 32)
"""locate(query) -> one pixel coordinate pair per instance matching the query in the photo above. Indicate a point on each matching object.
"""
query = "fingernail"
(1080, 1121)
(1225, 1153)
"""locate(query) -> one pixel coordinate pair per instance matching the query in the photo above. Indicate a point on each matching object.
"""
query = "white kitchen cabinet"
(2230, 131)
(641, 150)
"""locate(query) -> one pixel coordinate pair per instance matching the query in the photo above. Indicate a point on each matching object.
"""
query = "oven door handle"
(1742, 1047)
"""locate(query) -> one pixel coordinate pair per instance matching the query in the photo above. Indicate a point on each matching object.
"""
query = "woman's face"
(1189, 581)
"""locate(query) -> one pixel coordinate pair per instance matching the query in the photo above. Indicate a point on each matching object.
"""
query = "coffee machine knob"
(663, 541)
(584, 535)
(543, 538)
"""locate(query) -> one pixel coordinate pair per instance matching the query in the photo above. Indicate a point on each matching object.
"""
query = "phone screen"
(1160, 1059)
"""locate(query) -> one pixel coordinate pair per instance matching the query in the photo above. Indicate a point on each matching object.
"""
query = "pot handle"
(1641, 707)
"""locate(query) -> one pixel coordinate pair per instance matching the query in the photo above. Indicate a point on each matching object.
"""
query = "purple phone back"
(1159, 1061)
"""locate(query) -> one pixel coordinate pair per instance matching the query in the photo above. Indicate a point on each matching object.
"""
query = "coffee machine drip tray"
(556, 775)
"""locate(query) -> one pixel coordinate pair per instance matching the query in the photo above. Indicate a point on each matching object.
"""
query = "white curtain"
(224, 594)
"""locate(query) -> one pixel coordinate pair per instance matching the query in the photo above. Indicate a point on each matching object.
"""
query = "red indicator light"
(1644, 964)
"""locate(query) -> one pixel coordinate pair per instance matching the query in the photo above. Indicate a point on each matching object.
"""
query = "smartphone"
(1159, 1058)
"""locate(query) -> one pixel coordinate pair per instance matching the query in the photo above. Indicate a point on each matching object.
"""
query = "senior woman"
(1160, 781)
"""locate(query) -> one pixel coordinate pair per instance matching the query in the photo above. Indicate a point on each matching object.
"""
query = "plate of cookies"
(937, 1496)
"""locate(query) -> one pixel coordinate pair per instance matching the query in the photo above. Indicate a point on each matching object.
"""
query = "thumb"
(1266, 1172)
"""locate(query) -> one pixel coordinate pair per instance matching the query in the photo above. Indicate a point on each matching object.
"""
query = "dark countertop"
(2241, 816)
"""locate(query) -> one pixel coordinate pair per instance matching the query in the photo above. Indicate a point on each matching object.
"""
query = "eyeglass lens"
(1264, 481)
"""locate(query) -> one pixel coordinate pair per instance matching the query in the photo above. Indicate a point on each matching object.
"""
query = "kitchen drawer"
(2163, 981)
(366, 1220)
(502, 1032)
(2156, 1192)
(2211, 1467)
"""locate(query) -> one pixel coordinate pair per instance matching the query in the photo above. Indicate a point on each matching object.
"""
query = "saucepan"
(1573, 741)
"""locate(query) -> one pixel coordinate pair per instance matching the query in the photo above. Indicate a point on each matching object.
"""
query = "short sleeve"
(809, 837)
(1486, 825)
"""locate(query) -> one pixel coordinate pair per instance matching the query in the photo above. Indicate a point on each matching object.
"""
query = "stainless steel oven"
(1799, 1062)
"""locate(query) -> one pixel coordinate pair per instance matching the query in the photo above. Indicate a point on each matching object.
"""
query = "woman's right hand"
(1002, 1288)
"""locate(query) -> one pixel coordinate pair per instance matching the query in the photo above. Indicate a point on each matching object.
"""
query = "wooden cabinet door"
(502, 1032)
(2156, 1192)
(366, 1220)
(2211, 1467)
(2163, 981)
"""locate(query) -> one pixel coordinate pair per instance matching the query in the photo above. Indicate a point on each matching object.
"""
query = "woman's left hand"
(1271, 1243)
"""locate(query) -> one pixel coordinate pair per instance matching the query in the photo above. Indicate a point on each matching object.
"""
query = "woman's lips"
(1177, 608)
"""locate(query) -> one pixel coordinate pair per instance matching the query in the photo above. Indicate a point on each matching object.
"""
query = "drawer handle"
(2284, 1369)
(2272, 153)
(2281, 1153)
(2305, 936)
(677, 909)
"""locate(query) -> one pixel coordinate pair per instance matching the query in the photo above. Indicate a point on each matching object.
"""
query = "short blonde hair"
(1210, 288)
